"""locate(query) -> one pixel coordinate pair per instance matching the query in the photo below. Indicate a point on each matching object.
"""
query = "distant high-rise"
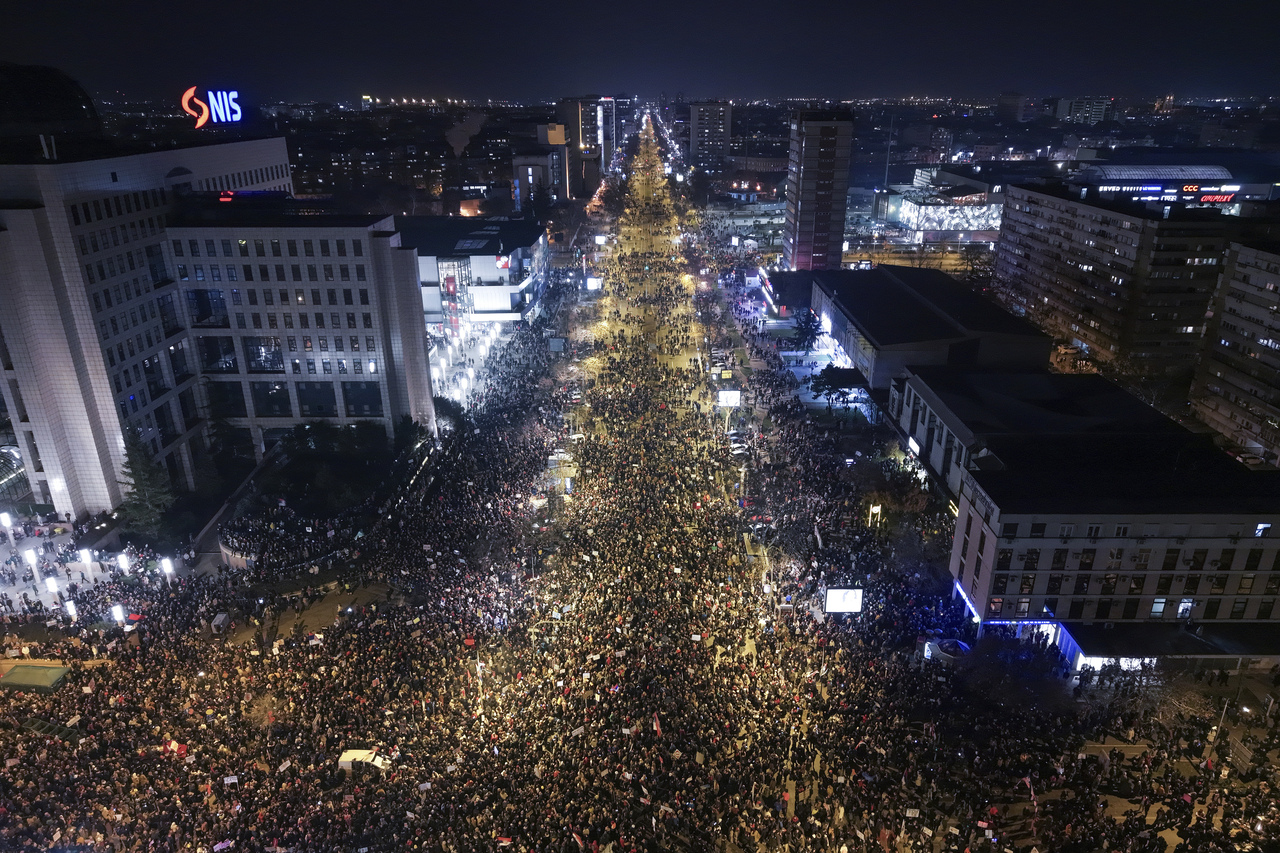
(1119, 279)
(581, 120)
(817, 183)
(709, 130)
(1085, 110)
(1016, 107)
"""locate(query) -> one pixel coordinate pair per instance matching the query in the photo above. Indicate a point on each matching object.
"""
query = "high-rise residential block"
(817, 183)
(1118, 279)
(1237, 385)
(710, 125)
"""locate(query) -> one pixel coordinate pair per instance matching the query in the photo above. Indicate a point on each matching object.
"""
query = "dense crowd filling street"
(608, 674)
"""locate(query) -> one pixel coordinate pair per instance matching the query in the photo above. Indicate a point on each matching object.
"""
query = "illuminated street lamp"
(6, 521)
(30, 556)
(51, 584)
(123, 562)
(71, 610)
(117, 613)
(167, 565)
(86, 557)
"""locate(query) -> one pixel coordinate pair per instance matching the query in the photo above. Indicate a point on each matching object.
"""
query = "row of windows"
(1128, 608)
(123, 292)
(108, 238)
(1010, 530)
(313, 273)
(217, 354)
(357, 365)
(113, 326)
(211, 246)
(304, 321)
(237, 180)
(1175, 559)
(120, 205)
(268, 297)
(274, 399)
(1110, 583)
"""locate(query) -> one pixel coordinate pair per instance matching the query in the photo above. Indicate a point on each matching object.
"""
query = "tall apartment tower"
(581, 120)
(817, 183)
(710, 123)
(1237, 385)
(1118, 279)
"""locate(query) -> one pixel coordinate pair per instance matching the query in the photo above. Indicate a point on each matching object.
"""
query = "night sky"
(744, 49)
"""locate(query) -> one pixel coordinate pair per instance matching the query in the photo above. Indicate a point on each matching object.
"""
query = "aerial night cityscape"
(848, 429)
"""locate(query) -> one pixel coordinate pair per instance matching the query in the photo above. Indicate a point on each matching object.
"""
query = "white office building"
(294, 317)
(83, 271)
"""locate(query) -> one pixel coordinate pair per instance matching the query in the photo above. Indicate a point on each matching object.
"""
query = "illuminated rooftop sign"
(221, 107)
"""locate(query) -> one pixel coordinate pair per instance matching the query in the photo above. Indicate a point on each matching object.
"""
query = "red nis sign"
(221, 107)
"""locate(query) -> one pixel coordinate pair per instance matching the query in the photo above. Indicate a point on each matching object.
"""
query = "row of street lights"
(86, 557)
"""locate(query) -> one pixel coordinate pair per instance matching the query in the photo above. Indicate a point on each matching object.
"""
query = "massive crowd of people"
(622, 682)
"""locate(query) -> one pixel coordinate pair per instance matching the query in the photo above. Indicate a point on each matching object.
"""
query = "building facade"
(710, 127)
(83, 262)
(1206, 558)
(294, 317)
(1116, 279)
(1085, 110)
(817, 183)
(580, 118)
(1237, 385)
(889, 318)
(476, 271)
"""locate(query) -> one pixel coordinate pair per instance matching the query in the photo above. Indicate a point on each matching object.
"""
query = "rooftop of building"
(994, 172)
(994, 402)
(1262, 244)
(1153, 211)
(1103, 639)
(1169, 471)
(894, 305)
(458, 236)
(262, 210)
(823, 115)
(1104, 173)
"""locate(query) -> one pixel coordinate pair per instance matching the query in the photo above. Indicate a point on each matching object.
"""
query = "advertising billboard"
(729, 397)
(844, 601)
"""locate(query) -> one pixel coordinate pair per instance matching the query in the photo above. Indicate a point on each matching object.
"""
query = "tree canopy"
(808, 330)
(834, 382)
(150, 492)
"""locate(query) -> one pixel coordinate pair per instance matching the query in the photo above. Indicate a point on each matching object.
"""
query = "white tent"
(366, 755)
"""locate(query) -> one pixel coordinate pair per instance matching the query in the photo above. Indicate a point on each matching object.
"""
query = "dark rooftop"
(1152, 639)
(262, 210)
(1019, 402)
(1136, 209)
(461, 236)
(1170, 471)
(894, 305)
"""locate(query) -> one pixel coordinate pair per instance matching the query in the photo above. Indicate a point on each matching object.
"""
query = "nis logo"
(221, 107)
